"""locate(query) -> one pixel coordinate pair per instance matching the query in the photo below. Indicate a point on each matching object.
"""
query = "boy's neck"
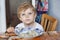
(30, 25)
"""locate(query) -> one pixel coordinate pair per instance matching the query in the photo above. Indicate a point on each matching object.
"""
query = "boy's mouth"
(27, 19)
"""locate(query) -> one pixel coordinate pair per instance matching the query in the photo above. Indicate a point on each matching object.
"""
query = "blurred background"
(8, 11)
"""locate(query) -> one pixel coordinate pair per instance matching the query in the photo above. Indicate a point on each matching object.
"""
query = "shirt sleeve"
(18, 29)
(39, 30)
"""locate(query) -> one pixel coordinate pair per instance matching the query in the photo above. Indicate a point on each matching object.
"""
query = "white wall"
(33, 3)
(2, 16)
(54, 10)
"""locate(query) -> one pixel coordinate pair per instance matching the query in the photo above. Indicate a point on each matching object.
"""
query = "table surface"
(50, 35)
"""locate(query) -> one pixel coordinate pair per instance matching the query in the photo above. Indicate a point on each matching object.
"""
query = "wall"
(2, 16)
(54, 10)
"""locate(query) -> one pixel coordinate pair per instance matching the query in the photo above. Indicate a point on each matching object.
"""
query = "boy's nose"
(27, 16)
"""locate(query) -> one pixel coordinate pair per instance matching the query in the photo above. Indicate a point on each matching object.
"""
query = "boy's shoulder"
(20, 25)
(38, 25)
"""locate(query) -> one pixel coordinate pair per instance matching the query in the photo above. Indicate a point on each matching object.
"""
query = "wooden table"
(51, 35)
(6, 36)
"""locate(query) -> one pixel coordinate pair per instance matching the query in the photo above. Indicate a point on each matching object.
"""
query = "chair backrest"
(49, 23)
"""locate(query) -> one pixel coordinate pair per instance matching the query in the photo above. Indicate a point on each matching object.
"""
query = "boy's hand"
(10, 29)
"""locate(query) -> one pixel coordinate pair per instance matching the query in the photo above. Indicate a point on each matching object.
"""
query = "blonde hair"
(24, 7)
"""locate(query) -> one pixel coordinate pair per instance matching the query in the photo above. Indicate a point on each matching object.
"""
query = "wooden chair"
(49, 23)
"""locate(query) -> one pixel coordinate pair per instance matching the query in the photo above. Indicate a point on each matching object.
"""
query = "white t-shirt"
(20, 29)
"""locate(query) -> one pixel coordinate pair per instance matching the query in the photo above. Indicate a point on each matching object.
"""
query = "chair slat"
(45, 24)
(48, 26)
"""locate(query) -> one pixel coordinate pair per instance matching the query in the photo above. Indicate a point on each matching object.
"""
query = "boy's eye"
(23, 14)
(30, 13)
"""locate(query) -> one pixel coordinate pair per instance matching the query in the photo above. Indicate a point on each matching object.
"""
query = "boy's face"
(28, 16)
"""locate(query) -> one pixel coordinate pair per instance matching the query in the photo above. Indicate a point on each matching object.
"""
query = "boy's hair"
(24, 7)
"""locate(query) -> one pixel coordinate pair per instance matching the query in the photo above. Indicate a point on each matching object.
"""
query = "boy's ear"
(35, 15)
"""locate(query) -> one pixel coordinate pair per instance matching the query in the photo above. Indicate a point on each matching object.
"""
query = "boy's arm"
(10, 29)
(18, 30)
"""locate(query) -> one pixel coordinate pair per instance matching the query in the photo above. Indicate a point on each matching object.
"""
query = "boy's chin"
(28, 23)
